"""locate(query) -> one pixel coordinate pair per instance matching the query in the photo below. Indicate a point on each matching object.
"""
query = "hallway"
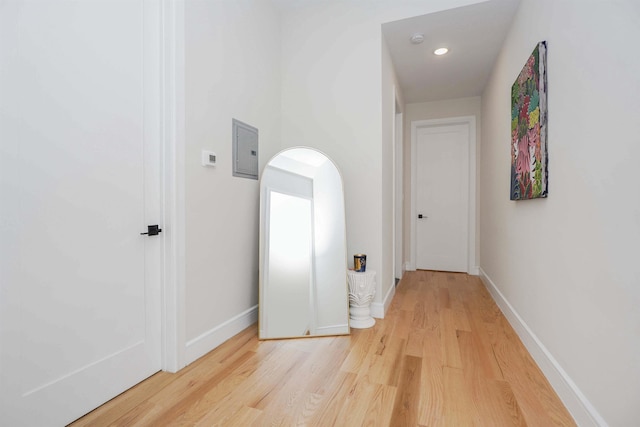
(444, 356)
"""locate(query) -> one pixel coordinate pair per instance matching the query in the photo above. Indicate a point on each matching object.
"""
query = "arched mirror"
(303, 263)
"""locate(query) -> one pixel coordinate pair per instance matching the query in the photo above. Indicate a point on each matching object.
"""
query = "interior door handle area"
(420, 216)
(152, 230)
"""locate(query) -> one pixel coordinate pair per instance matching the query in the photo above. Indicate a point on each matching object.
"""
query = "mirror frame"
(263, 245)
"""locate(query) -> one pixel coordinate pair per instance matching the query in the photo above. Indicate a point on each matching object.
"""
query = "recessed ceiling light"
(417, 38)
(441, 51)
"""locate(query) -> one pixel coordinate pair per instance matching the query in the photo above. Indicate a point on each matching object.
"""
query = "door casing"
(173, 316)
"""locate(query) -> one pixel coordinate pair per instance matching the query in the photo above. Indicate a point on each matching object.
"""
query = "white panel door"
(442, 204)
(79, 182)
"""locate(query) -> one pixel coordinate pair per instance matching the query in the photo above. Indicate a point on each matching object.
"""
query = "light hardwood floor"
(443, 356)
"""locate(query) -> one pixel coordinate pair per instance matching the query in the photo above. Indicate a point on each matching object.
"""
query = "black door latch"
(152, 230)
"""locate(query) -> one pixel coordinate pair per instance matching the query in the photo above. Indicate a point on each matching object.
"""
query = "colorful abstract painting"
(529, 128)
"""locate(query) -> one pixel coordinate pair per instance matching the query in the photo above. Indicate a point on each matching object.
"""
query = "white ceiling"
(474, 35)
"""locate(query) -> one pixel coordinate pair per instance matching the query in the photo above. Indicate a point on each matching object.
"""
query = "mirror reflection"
(303, 290)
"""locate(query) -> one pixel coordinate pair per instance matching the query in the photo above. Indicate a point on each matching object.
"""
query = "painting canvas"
(529, 128)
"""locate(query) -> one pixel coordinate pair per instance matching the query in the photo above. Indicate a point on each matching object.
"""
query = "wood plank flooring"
(444, 356)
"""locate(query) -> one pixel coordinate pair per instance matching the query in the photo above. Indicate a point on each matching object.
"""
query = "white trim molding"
(173, 131)
(211, 339)
(471, 241)
(378, 309)
(397, 187)
(582, 411)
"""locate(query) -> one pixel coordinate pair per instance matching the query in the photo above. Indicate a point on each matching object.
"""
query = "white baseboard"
(378, 309)
(408, 266)
(206, 342)
(583, 412)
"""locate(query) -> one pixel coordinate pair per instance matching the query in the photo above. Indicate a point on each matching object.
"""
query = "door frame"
(398, 198)
(472, 267)
(173, 314)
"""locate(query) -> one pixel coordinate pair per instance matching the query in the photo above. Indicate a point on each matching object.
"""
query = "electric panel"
(245, 150)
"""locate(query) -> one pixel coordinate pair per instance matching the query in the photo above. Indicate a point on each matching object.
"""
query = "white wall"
(429, 111)
(568, 265)
(331, 83)
(232, 70)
